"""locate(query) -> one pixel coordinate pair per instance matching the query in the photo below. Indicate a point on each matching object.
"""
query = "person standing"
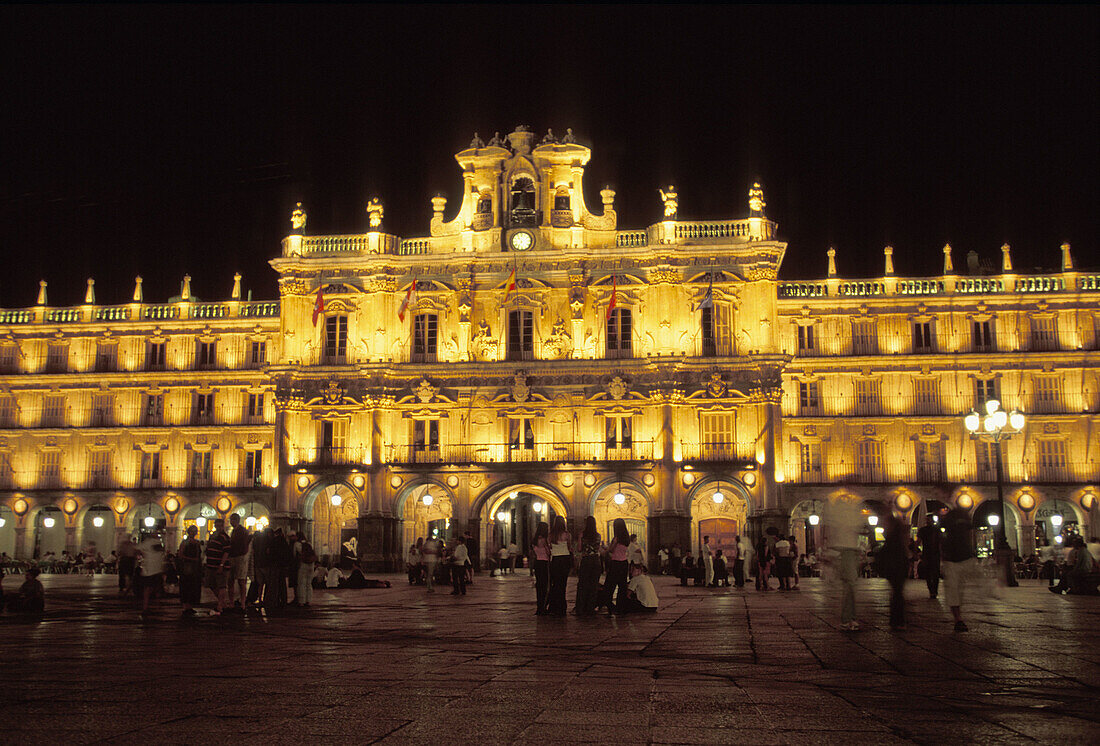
(618, 567)
(561, 563)
(783, 562)
(190, 564)
(764, 558)
(150, 570)
(429, 555)
(676, 557)
(588, 577)
(127, 561)
(217, 563)
(662, 560)
(931, 540)
(460, 556)
(540, 567)
(412, 563)
(239, 540)
(707, 555)
(737, 559)
(307, 560)
(513, 555)
(959, 559)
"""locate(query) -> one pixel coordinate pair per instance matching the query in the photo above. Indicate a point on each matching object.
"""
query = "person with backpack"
(307, 560)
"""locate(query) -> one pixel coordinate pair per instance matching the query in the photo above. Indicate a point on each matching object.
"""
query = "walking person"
(540, 566)
(588, 576)
(783, 562)
(189, 557)
(794, 560)
(931, 540)
(151, 564)
(959, 558)
(561, 563)
(763, 555)
(841, 538)
(892, 563)
(127, 561)
(429, 556)
(618, 568)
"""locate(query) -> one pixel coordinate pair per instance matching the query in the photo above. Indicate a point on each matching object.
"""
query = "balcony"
(329, 455)
(500, 453)
(719, 451)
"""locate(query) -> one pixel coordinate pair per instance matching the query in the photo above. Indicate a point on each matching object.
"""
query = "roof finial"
(374, 213)
(1006, 258)
(832, 262)
(889, 252)
(672, 203)
(298, 219)
(236, 294)
(756, 200)
(185, 289)
(138, 295)
(89, 294)
(1067, 258)
(41, 292)
(948, 267)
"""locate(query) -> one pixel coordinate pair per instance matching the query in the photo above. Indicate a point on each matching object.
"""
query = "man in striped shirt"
(217, 562)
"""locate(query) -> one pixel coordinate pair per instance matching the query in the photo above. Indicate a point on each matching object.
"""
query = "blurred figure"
(843, 522)
(959, 558)
(189, 558)
(588, 576)
(931, 540)
(150, 570)
(127, 561)
(893, 564)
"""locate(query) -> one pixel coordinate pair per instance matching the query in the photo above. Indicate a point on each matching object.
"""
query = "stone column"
(284, 492)
(20, 550)
(378, 543)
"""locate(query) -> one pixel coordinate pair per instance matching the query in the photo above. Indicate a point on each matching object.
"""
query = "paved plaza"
(401, 666)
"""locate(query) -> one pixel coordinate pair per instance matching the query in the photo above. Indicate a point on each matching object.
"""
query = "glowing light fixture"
(1016, 420)
(502, 516)
(1058, 539)
(250, 521)
(993, 519)
(3, 522)
(972, 421)
(427, 499)
(48, 522)
(200, 521)
(749, 479)
(98, 521)
(619, 498)
(718, 497)
(814, 519)
(992, 406)
(872, 519)
(1056, 521)
(149, 521)
(536, 506)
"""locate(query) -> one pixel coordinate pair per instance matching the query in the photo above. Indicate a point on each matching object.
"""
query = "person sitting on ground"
(320, 576)
(721, 574)
(640, 593)
(31, 598)
(1079, 566)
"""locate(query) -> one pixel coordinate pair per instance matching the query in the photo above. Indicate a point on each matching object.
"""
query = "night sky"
(164, 141)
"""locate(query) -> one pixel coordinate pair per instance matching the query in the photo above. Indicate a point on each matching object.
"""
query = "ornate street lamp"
(994, 426)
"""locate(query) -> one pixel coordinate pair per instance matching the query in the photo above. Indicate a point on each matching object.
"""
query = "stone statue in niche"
(483, 344)
(560, 343)
(671, 202)
(519, 389)
(425, 391)
(374, 213)
(298, 218)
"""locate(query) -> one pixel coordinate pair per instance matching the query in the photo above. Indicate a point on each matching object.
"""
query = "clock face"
(522, 240)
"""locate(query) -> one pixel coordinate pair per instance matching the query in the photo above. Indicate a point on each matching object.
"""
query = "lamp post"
(994, 426)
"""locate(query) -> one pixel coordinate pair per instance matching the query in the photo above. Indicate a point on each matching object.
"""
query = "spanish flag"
(614, 295)
(318, 305)
(511, 284)
(409, 296)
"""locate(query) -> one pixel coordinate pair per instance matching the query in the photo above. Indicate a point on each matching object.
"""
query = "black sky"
(165, 140)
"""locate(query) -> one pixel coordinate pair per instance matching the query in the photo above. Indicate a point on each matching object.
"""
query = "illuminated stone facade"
(529, 358)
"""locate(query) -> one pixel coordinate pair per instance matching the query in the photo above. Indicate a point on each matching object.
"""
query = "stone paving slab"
(400, 665)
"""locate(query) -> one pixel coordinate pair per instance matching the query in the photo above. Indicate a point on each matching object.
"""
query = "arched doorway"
(987, 530)
(719, 509)
(201, 516)
(146, 519)
(7, 531)
(426, 512)
(1057, 519)
(49, 533)
(509, 515)
(335, 515)
(97, 531)
(625, 500)
(254, 516)
(805, 525)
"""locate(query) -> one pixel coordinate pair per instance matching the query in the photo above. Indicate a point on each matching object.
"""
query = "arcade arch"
(426, 510)
(624, 499)
(96, 530)
(333, 509)
(719, 509)
(7, 530)
(509, 513)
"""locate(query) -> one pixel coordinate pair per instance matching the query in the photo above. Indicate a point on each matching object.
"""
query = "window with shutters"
(57, 358)
(521, 437)
(202, 471)
(864, 338)
(806, 341)
(9, 357)
(8, 411)
(49, 469)
(53, 411)
(521, 335)
(150, 469)
(922, 337)
(929, 459)
(808, 401)
(99, 469)
(1044, 334)
(253, 468)
(336, 340)
(425, 337)
(103, 407)
(152, 414)
(254, 409)
(106, 356)
(259, 354)
(426, 440)
(868, 396)
(1048, 394)
(206, 358)
(155, 355)
(202, 412)
(869, 466)
(716, 336)
(334, 442)
(984, 390)
(926, 395)
(7, 473)
(810, 458)
(981, 336)
(619, 436)
(985, 460)
(619, 333)
(1052, 461)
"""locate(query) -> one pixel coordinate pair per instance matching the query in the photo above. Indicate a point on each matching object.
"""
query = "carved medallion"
(716, 387)
(617, 388)
(520, 390)
(333, 393)
(425, 391)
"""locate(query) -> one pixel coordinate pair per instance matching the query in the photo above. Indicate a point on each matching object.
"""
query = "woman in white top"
(561, 562)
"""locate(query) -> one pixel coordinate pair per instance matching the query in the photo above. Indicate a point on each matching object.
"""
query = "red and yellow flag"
(318, 305)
